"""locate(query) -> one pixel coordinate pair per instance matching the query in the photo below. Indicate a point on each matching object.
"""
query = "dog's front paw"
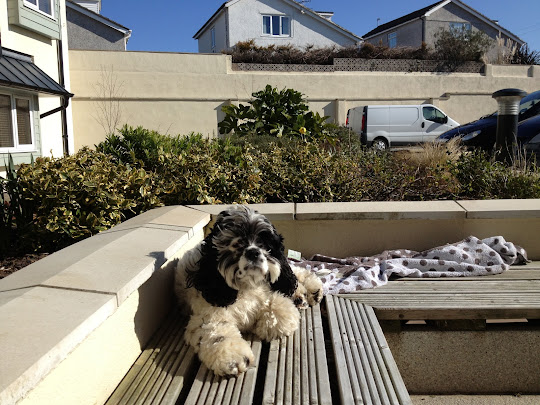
(279, 317)
(229, 357)
(309, 291)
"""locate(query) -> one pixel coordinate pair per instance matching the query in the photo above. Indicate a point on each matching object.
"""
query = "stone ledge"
(50, 307)
(384, 210)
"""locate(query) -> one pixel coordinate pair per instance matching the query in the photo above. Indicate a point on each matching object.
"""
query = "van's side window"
(432, 114)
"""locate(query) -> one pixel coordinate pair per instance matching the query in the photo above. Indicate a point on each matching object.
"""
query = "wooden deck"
(339, 354)
(512, 294)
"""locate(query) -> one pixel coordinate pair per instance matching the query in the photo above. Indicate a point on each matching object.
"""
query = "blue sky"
(169, 26)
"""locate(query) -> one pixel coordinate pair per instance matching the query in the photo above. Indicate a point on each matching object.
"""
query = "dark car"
(482, 132)
(529, 132)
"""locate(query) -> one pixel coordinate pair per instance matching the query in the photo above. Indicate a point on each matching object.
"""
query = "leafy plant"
(461, 45)
(17, 212)
(80, 195)
(275, 113)
(526, 56)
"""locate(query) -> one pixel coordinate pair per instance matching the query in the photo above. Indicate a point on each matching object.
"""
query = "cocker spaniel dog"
(238, 280)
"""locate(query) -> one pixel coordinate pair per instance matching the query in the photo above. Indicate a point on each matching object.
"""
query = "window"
(433, 114)
(459, 27)
(213, 37)
(45, 6)
(276, 25)
(15, 123)
(392, 40)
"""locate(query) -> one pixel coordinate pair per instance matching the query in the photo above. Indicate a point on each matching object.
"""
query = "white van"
(382, 126)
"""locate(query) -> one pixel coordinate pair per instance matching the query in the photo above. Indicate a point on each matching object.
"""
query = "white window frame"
(392, 38)
(35, 7)
(271, 34)
(15, 130)
(458, 26)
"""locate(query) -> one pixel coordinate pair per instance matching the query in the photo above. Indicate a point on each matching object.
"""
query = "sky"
(169, 26)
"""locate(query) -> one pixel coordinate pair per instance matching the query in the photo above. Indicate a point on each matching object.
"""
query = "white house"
(267, 22)
(35, 111)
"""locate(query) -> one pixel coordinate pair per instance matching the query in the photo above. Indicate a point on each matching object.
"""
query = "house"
(423, 25)
(88, 29)
(267, 22)
(35, 113)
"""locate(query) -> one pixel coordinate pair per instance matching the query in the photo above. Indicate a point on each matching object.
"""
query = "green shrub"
(461, 45)
(482, 178)
(275, 113)
(55, 202)
(140, 146)
(17, 213)
(80, 195)
(249, 52)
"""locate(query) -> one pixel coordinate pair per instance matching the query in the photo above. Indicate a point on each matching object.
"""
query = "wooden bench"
(328, 359)
(511, 295)
(339, 354)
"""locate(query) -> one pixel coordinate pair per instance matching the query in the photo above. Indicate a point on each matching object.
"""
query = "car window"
(433, 114)
(529, 105)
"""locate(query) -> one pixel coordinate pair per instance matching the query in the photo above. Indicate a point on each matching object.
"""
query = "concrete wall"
(87, 33)
(45, 55)
(183, 93)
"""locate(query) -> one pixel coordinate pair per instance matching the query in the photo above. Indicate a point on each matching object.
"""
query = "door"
(404, 128)
(434, 123)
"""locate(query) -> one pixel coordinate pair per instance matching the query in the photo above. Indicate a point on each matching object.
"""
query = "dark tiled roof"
(18, 70)
(401, 20)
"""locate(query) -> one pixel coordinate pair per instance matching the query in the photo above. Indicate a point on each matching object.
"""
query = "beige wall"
(181, 93)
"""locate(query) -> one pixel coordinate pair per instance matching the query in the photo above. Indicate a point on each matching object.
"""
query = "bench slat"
(366, 370)
(167, 340)
(297, 369)
(209, 389)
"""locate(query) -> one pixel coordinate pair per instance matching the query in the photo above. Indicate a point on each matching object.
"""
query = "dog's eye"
(236, 245)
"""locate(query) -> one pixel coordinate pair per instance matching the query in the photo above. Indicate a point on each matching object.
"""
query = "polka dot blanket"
(469, 257)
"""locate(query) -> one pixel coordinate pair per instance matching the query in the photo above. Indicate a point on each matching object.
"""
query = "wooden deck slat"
(378, 373)
(325, 396)
(368, 373)
(297, 371)
(304, 394)
(126, 386)
(360, 363)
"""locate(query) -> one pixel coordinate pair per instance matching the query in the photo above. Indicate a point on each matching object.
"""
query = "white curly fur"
(215, 332)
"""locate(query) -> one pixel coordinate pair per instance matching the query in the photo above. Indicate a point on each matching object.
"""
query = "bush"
(461, 45)
(80, 195)
(249, 52)
(526, 56)
(275, 113)
(67, 199)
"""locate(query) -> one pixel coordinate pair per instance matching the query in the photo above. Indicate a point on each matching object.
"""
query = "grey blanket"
(469, 257)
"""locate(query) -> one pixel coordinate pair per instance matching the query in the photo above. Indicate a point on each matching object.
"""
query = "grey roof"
(18, 70)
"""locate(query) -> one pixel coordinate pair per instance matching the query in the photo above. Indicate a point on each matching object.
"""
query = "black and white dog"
(238, 280)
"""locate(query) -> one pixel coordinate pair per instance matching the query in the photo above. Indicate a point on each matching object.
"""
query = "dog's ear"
(208, 280)
(287, 282)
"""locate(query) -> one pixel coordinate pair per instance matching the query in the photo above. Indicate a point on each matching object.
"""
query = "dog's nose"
(252, 253)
